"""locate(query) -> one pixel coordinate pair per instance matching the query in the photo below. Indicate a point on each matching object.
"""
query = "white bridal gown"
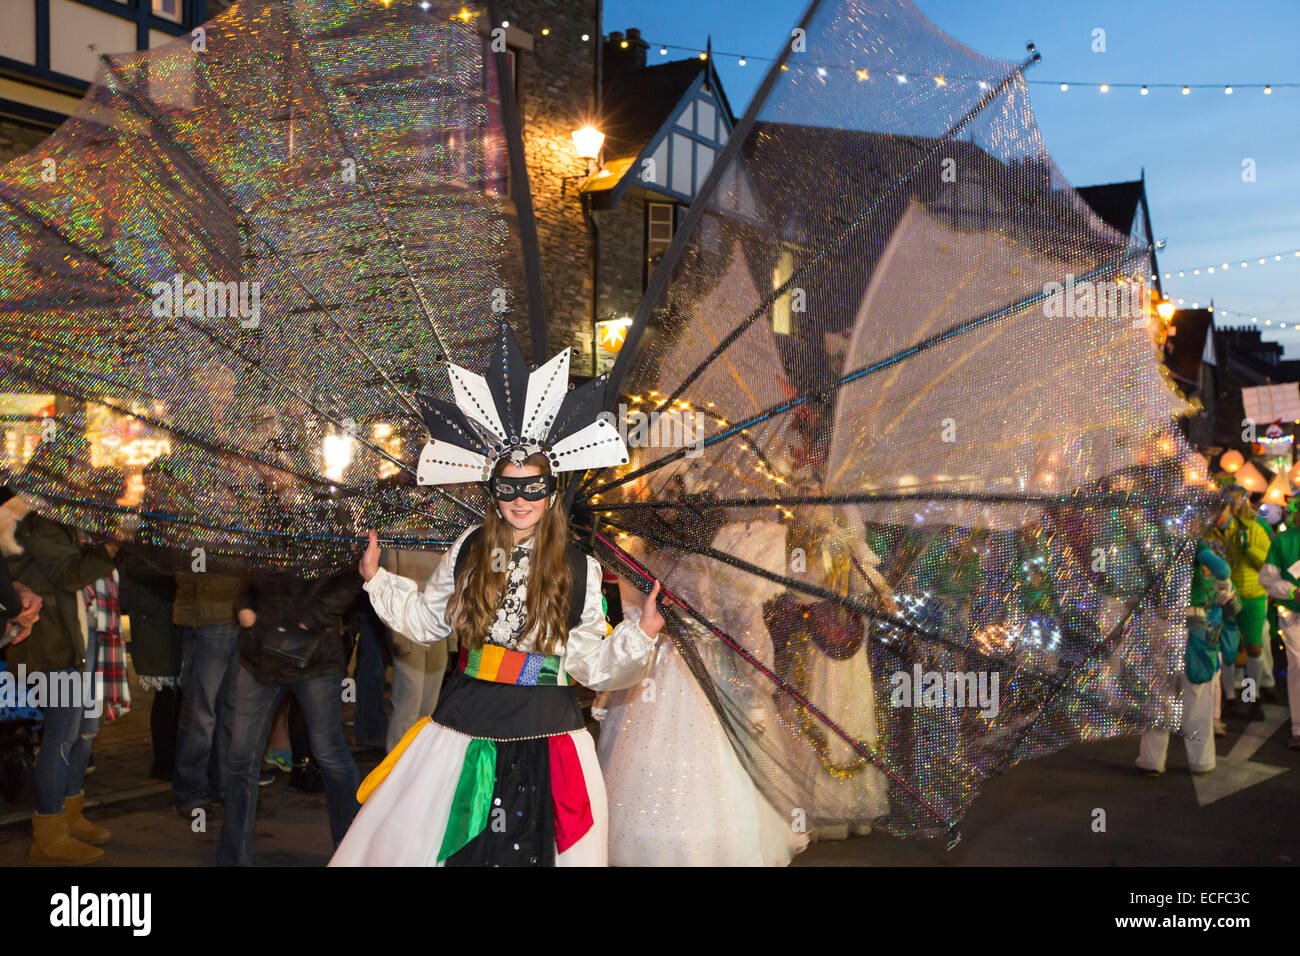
(678, 794)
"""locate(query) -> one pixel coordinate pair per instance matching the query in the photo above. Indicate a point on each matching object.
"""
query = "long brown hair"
(480, 586)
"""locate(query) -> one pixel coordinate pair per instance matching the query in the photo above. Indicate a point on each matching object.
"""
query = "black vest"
(577, 573)
(487, 709)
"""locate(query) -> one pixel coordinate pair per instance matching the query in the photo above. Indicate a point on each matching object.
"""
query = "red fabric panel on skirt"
(568, 793)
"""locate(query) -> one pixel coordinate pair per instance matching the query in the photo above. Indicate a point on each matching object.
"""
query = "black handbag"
(294, 646)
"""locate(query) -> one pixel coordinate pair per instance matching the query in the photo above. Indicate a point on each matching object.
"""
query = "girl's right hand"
(369, 565)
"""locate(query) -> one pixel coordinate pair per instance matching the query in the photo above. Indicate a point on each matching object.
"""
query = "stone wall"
(622, 256)
(557, 94)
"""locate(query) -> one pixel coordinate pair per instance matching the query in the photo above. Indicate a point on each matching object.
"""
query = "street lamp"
(587, 142)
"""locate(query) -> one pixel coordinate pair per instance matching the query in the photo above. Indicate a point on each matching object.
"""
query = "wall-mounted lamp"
(586, 144)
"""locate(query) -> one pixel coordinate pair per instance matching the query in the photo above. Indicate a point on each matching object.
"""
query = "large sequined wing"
(224, 280)
(916, 518)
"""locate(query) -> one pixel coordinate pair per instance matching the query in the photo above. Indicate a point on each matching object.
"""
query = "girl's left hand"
(652, 622)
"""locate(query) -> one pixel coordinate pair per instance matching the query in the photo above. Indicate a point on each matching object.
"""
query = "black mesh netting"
(920, 519)
(224, 280)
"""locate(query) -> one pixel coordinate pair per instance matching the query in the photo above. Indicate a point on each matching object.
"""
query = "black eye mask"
(532, 488)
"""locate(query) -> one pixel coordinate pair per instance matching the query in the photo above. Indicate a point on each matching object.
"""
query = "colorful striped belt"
(504, 666)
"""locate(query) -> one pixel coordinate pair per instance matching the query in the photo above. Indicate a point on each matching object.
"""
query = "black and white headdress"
(513, 413)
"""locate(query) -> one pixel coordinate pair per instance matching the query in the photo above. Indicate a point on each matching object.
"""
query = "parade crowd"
(1243, 596)
(219, 654)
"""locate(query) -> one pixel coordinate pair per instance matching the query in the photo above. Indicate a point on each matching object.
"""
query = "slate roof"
(1116, 203)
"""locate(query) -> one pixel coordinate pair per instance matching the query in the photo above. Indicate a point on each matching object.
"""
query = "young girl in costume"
(503, 772)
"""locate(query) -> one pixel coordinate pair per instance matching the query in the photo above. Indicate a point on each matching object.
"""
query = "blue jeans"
(371, 725)
(67, 736)
(321, 702)
(208, 669)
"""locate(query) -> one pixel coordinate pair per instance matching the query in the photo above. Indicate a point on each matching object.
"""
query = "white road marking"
(1236, 772)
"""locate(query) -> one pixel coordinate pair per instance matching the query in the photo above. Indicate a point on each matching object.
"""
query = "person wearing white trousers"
(1198, 731)
(1211, 588)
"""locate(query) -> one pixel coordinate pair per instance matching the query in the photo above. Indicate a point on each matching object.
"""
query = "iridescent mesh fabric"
(915, 478)
(912, 465)
(344, 160)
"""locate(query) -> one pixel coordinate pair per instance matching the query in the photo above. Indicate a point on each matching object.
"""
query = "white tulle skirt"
(404, 820)
(678, 795)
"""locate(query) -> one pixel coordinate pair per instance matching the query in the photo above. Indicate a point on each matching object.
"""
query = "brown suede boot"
(53, 843)
(78, 826)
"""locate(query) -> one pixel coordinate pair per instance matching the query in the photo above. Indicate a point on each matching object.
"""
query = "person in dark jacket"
(204, 610)
(289, 639)
(147, 596)
(45, 556)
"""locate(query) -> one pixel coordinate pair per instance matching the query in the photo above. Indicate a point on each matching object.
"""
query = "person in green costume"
(1279, 576)
(1211, 588)
(1246, 546)
(1269, 515)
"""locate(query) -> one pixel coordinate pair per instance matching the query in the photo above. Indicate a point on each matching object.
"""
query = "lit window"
(659, 233)
(168, 9)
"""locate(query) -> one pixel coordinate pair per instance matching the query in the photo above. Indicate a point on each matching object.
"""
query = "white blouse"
(590, 658)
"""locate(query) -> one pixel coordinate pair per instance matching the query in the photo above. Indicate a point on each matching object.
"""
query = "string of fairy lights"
(1064, 86)
(864, 72)
(1226, 265)
(1290, 255)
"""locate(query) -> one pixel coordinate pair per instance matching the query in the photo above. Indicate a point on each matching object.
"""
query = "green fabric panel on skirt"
(473, 800)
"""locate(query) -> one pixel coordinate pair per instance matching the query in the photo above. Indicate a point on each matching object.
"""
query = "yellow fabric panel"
(376, 776)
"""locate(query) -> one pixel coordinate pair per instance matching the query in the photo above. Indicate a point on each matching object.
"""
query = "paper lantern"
(1230, 461)
(1279, 489)
(1248, 477)
(1294, 473)
(1197, 469)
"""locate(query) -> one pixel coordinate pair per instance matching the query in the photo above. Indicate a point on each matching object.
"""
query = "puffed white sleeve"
(420, 615)
(606, 663)
(1274, 585)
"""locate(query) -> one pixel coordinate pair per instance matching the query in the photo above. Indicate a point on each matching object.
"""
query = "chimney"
(624, 59)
